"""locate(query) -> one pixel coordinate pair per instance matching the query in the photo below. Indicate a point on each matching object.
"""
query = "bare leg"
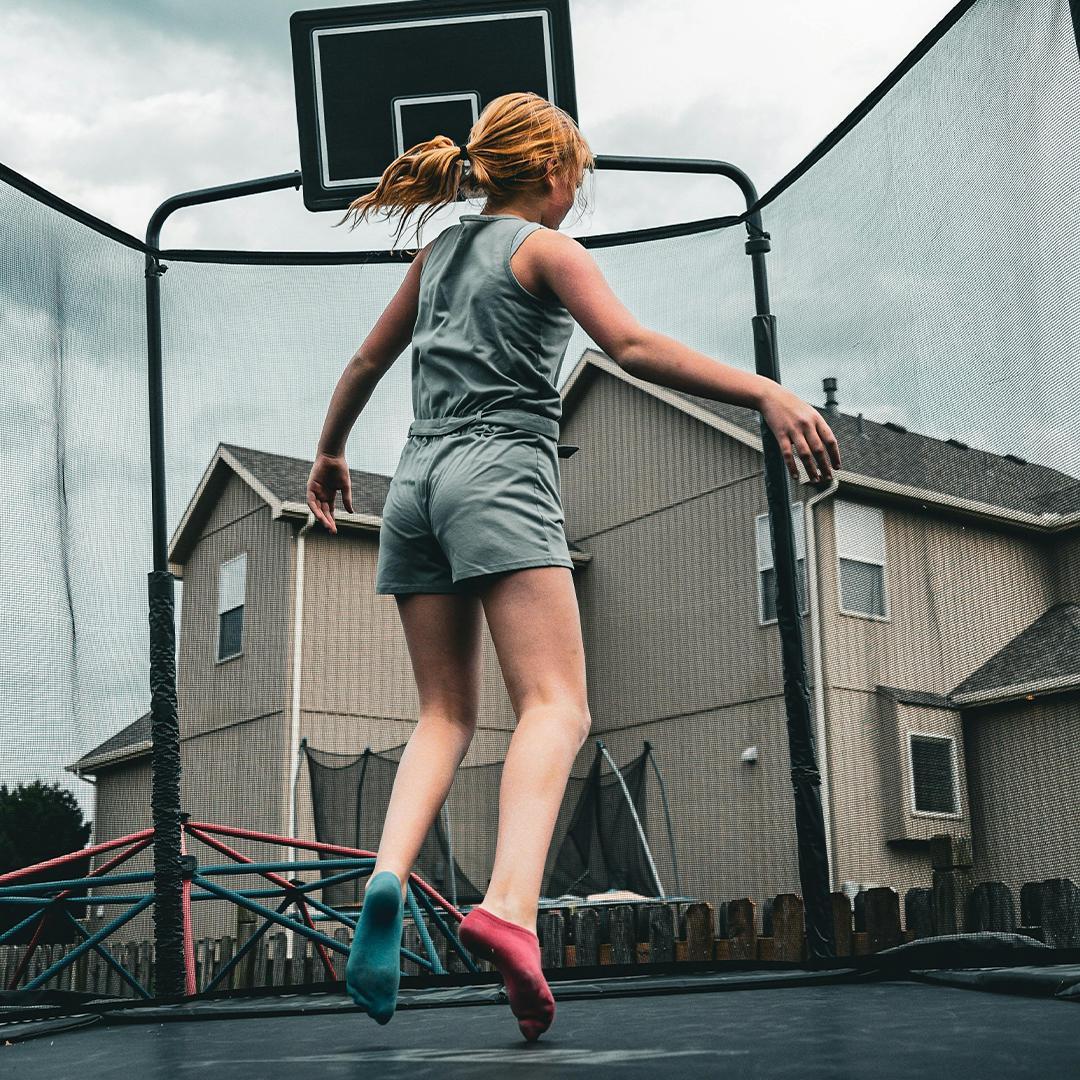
(443, 635)
(534, 622)
(535, 626)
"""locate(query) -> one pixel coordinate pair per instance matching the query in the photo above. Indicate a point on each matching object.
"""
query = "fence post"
(276, 962)
(551, 939)
(700, 934)
(623, 935)
(302, 959)
(919, 912)
(587, 936)
(661, 934)
(842, 924)
(1060, 913)
(951, 859)
(991, 908)
(741, 931)
(788, 927)
(228, 951)
(410, 939)
(343, 935)
(146, 963)
(244, 973)
(882, 914)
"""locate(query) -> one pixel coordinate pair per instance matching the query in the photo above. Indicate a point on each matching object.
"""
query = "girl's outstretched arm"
(571, 273)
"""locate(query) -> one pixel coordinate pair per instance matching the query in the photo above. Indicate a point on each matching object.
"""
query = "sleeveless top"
(482, 343)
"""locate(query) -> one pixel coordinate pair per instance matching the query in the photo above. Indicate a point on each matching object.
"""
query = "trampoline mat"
(748, 1027)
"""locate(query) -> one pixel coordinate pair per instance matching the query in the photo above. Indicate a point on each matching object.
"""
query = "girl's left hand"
(329, 474)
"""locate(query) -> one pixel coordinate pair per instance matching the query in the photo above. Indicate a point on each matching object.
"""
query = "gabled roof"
(129, 742)
(282, 483)
(886, 458)
(1041, 659)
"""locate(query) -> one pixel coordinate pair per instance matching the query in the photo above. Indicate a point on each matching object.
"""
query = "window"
(232, 576)
(932, 774)
(860, 552)
(766, 570)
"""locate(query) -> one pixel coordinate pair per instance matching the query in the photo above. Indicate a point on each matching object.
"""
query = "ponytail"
(509, 148)
(429, 173)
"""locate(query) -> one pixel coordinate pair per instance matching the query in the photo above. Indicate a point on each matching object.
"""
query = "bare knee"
(465, 722)
(585, 726)
(574, 721)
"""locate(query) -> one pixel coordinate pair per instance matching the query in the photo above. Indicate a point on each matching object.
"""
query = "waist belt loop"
(525, 421)
(441, 425)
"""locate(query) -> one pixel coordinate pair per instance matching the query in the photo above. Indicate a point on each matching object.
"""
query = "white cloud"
(117, 107)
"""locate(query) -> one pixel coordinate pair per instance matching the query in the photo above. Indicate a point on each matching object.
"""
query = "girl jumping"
(473, 518)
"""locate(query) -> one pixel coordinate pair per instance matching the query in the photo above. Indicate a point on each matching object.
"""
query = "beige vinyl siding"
(940, 574)
(1025, 790)
(957, 593)
(1061, 565)
(236, 771)
(213, 693)
(122, 806)
(868, 779)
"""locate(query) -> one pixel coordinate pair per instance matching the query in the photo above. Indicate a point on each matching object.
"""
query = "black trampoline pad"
(884, 1030)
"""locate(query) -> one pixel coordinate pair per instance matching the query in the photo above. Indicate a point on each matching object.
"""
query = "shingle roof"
(1044, 656)
(286, 478)
(135, 735)
(892, 453)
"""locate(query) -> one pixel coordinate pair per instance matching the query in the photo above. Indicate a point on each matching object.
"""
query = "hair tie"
(464, 152)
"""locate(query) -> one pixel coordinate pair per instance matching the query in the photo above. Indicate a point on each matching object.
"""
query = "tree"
(40, 822)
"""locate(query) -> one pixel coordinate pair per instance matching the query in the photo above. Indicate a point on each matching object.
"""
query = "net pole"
(806, 780)
(633, 813)
(667, 815)
(169, 979)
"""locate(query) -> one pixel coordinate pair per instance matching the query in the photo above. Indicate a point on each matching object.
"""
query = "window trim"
(218, 658)
(758, 587)
(884, 564)
(934, 736)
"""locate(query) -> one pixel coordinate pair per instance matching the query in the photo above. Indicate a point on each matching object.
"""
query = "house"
(940, 588)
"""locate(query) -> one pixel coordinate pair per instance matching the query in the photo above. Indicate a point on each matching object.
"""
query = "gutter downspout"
(816, 647)
(294, 727)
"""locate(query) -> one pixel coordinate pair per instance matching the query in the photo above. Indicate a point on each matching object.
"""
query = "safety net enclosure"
(923, 271)
(600, 843)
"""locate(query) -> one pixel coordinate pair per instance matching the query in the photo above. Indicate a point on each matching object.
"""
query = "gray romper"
(476, 489)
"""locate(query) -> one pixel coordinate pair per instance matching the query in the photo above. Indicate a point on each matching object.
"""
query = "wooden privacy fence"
(653, 932)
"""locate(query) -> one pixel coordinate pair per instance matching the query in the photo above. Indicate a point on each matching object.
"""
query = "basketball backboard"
(373, 80)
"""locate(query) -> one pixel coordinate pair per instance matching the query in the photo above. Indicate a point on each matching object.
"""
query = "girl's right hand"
(800, 429)
(329, 475)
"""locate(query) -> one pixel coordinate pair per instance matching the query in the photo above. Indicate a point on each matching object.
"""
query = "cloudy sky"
(117, 104)
(924, 262)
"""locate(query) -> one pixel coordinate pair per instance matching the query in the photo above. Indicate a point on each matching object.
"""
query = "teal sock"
(374, 968)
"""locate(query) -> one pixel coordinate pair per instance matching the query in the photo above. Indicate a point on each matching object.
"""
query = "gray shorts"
(480, 499)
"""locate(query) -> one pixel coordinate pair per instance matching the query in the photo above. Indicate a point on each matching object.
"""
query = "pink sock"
(515, 952)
